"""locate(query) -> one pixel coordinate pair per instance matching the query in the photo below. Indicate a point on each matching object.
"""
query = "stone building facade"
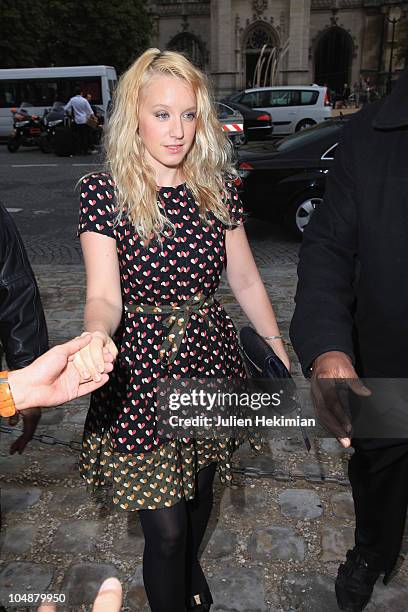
(243, 43)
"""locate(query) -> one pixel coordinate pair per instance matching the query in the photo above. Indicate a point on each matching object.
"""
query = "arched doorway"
(259, 35)
(190, 45)
(333, 56)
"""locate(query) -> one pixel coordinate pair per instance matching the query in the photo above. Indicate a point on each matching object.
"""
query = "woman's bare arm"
(103, 307)
(248, 288)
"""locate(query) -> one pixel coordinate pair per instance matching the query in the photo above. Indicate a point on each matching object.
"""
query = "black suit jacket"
(23, 330)
(352, 293)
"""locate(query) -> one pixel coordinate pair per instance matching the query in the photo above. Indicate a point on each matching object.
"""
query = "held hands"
(52, 379)
(89, 361)
(327, 369)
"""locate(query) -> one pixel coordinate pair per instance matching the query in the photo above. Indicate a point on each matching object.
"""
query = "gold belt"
(176, 325)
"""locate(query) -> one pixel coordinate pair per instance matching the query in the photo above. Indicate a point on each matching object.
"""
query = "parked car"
(293, 108)
(285, 180)
(232, 122)
(257, 123)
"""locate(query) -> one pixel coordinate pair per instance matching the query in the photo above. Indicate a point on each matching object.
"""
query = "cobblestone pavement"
(273, 543)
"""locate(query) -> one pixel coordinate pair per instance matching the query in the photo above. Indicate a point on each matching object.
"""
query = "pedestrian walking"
(350, 320)
(82, 111)
(156, 232)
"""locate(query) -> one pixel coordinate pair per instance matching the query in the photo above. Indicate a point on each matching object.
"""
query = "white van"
(293, 107)
(39, 88)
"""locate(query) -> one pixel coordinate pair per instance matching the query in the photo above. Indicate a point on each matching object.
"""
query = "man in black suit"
(351, 320)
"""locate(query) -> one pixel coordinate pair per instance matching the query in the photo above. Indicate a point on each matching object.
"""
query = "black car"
(285, 179)
(257, 124)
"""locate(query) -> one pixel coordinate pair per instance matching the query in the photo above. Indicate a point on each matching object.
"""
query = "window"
(237, 97)
(190, 45)
(254, 99)
(38, 92)
(282, 97)
(89, 85)
(223, 111)
(308, 97)
(9, 94)
(44, 92)
(259, 36)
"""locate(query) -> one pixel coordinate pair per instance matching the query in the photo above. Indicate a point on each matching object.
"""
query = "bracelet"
(7, 405)
(272, 337)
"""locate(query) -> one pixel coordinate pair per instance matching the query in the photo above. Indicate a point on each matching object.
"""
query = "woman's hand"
(89, 361)
(279, 348)
(50, 380)
(249, 290)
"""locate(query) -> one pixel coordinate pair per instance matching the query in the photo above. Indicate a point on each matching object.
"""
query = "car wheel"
(300, 212)
(304, 124)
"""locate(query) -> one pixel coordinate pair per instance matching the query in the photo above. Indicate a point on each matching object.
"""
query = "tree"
(72, 33)
(111, 32)
(21, 33)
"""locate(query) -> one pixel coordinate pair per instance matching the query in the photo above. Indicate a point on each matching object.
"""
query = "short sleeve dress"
(121, 445)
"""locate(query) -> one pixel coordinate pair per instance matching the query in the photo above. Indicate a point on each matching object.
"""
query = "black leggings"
(171, 570)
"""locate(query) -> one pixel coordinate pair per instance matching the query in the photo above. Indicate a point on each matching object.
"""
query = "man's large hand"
(52, 379)
(327, 369)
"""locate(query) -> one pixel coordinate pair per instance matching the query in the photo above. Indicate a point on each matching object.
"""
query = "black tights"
(171, 570)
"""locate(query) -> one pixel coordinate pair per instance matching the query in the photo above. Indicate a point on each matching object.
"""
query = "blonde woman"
(156, 232)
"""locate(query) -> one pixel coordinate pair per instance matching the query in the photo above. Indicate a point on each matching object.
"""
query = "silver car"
(293, 107)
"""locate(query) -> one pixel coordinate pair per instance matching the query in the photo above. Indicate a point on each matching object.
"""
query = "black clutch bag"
(268, 372)
(260, 359)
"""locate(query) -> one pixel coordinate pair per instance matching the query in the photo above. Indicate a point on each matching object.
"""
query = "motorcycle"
(26, 129)
(97, 126)
(53, 118)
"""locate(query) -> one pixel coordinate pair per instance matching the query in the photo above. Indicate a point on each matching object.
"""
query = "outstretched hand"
(328, 369)
(52, 379)
(108, 599)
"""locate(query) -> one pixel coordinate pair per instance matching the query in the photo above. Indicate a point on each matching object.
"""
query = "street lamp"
(393, 17)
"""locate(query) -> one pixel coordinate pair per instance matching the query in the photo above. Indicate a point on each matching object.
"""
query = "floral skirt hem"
(157, 479)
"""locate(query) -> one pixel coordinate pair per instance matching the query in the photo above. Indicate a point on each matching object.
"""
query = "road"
(39, 190)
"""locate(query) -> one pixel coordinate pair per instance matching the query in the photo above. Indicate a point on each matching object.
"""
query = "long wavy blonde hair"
(204, 167)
